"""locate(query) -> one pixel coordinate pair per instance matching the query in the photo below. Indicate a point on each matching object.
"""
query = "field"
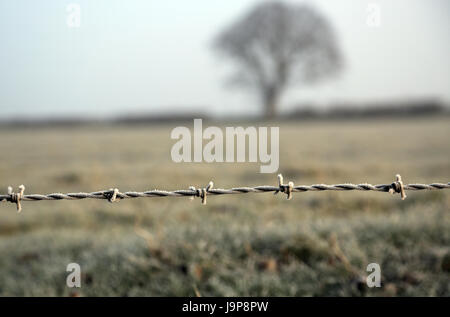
(317, 244)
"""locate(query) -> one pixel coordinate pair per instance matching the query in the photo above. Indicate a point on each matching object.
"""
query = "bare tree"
(276, 45)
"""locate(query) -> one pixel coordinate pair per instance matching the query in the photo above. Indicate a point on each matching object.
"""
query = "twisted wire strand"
(113, 195)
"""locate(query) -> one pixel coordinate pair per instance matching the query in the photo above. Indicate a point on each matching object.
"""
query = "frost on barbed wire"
(113, 194)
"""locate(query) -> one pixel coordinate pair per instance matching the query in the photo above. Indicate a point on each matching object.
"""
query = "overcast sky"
(132, 56)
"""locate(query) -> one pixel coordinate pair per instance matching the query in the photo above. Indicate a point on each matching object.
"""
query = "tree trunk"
(270, 104)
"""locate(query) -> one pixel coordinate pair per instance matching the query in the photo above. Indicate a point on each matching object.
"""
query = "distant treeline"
(142, 119)
(371, 110)
(304, 112)
(159, 119)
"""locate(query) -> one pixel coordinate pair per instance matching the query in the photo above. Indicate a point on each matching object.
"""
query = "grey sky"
(132, 56)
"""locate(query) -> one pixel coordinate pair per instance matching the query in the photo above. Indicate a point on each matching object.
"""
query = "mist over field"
(98, 95)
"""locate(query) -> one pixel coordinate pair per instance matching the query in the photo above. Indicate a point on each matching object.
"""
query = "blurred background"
(90, 91)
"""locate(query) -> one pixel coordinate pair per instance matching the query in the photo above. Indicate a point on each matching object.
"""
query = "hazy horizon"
(134, 56)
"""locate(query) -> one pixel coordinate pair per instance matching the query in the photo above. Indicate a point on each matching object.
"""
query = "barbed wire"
(113, 194)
